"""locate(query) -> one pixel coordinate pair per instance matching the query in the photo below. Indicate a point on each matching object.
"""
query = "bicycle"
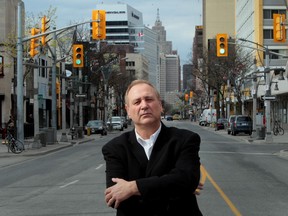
(15, 145)
(277, 129)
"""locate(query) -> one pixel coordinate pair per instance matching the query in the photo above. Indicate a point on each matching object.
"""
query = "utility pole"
(20, 105)
(54, 98)
(254, 95)
(63, 96)
(36, 143)
(80, 99)
(268, 137)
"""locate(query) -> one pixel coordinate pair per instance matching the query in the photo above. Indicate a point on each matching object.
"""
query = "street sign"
(80, 95)
(269, 98)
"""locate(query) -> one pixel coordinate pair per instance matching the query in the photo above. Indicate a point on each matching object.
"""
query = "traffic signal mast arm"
(52, 31)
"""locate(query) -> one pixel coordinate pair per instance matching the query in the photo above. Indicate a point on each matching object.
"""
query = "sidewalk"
(41, 150)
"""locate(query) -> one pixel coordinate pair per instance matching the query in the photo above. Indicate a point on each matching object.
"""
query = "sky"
(178, 17)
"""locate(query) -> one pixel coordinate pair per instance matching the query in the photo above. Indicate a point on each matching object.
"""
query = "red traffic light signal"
(78, 55)
(222, 45)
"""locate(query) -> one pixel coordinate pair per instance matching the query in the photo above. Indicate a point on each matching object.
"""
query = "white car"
(117, 123)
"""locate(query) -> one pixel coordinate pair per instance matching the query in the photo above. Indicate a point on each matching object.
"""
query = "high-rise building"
(124, 25)
(169, 79)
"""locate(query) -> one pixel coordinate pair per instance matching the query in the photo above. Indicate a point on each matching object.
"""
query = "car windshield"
(116, 119)
(93, 123)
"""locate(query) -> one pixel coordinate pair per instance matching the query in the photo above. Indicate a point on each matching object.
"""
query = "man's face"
(143, 106)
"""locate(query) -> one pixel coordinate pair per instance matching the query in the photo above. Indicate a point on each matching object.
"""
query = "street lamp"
(268, 135)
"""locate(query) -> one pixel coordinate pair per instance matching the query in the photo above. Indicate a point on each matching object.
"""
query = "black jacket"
(166, 182)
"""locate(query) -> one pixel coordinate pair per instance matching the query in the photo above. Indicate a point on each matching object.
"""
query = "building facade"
(8, 32)
(254, 22)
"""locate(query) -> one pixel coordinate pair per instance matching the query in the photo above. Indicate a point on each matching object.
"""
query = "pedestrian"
(11, 125)
(153, 169)
(30, 119)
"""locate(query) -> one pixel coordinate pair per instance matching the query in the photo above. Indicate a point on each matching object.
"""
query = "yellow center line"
(205, 174)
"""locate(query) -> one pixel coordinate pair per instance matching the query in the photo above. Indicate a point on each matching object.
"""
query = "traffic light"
(186, 97)
(34, 43)
(222, 45)
(58, 87)
(44, 27)
(191, 94)
(78, 55)
(279, 31)
(98, 24)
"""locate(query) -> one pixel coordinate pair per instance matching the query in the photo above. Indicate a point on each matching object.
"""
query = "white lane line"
(70, 183)
(243, 153)
(99, 166)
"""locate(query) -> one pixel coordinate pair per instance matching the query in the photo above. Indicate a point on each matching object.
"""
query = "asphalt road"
(240, 179)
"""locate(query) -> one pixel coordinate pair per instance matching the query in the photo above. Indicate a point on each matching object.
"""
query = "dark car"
(230, 122)
(221, 124)
(242, 124)
(96, 127)
(169, 118)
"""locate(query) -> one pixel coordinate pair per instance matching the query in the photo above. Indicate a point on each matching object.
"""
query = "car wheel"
(228, 131)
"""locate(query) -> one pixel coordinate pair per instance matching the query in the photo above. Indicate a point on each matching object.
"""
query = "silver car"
(117, 123)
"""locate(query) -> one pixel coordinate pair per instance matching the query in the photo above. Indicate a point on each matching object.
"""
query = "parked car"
(117, 123)
(96, 127)
(176, 117)
(230, 122)
(221, 124)
(125, 122)
(169, 118)
(242, 124)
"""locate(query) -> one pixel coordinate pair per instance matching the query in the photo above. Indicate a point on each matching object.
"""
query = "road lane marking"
(70, 183)
(220, 191)
(99, 166)
(240, 153)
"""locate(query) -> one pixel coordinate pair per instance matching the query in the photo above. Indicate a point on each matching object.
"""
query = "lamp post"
(268, 135)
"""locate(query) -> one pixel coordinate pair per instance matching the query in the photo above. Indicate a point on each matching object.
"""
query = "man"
(154, 169)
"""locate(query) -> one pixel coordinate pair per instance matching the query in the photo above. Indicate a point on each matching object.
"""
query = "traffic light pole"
(268, 136)
(19, 89)
(54, 97)
(80, 100)
(20, 105)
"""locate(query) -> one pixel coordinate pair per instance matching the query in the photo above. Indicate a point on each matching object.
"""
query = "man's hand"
(199, 188)
(119, 192)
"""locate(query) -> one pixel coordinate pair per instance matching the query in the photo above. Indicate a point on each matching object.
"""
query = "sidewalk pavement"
(280, 139)
(30, 150)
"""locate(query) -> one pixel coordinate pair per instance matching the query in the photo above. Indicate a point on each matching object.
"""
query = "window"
(1, 66)
(268, 34)
(268, 14)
